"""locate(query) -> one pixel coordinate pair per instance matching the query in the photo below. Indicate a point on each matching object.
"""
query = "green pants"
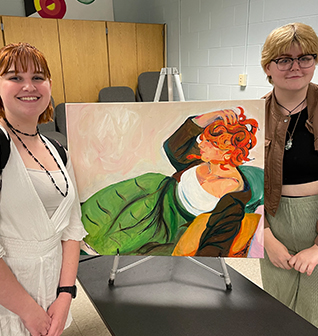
(295, 226)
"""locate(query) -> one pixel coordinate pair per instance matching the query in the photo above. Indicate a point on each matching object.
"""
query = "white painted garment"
(193, 197)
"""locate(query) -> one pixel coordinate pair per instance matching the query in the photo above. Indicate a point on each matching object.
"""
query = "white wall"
(12, 7)
(221, 39)
(211, 42)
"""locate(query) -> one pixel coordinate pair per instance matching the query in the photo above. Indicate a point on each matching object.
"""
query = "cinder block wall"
(221, 39)
(212, 42)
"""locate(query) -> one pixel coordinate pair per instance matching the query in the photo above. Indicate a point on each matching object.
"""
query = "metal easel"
(170, 73)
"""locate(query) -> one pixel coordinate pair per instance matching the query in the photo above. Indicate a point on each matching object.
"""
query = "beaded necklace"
(15, 131)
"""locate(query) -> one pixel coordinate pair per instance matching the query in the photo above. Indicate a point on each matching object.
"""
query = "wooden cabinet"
(122, 54)
(150, 47)
(133, 49)
(84, 57)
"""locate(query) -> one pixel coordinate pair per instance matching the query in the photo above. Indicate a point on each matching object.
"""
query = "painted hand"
(229, 117)
(306, 260)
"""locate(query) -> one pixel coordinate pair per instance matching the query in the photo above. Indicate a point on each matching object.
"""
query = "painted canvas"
(170, 178)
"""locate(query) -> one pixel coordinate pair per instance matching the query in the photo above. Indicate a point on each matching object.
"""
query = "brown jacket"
(276, 126)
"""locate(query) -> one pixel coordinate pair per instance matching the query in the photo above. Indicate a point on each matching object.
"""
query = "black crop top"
(300, 163)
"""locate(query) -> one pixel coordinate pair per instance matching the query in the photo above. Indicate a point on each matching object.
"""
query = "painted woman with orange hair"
(212, 180)
(199, 210)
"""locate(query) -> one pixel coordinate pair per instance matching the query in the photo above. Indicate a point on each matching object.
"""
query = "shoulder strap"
(4, 149)
(60, 149)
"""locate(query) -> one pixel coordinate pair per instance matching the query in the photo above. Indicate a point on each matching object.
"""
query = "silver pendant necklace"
(289, 142)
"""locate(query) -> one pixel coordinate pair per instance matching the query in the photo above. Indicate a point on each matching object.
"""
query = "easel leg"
(113, 271)
(116, 270)
(160, 84)
(226, 275)
(178, 84)
(170, 87)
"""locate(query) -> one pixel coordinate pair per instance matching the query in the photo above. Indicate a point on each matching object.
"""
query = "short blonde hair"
(280, 40)
(20, 55)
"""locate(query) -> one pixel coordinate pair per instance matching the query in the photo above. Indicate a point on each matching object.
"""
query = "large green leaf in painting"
(132, 214)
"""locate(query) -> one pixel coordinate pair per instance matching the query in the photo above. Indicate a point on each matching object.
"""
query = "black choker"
(16, 130)
(290, 111)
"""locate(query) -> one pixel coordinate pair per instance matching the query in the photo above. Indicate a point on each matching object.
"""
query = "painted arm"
(59, 309)
(15, 298)
(222, 228)
(182, 143)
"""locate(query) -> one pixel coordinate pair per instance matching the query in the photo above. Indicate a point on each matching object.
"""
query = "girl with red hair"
(40, 226)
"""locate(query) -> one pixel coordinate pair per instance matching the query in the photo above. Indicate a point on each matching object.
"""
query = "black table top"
(173, 296)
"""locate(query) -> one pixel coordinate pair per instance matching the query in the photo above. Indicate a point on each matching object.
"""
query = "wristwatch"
(72, 290)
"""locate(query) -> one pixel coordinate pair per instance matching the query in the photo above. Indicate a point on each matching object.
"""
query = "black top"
(300, 164)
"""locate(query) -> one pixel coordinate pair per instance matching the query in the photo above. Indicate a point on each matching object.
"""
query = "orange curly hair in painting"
(236, 139)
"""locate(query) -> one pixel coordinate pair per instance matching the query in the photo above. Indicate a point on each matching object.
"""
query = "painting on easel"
(170, 178)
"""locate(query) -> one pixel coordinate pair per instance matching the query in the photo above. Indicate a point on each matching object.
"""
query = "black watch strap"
(72, 290)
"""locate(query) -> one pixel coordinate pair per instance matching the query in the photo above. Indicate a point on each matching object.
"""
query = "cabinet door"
(84, 59)
(43, 34)
(122, 54)
(150, 47)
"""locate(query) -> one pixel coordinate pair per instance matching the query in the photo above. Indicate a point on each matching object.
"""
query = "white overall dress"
(30, 241)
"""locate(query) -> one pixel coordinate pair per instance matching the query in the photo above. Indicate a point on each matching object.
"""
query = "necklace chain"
(18, 131)
(289, 142)
(14, 131)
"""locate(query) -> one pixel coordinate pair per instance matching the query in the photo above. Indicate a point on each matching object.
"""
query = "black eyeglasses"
(286, 63)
